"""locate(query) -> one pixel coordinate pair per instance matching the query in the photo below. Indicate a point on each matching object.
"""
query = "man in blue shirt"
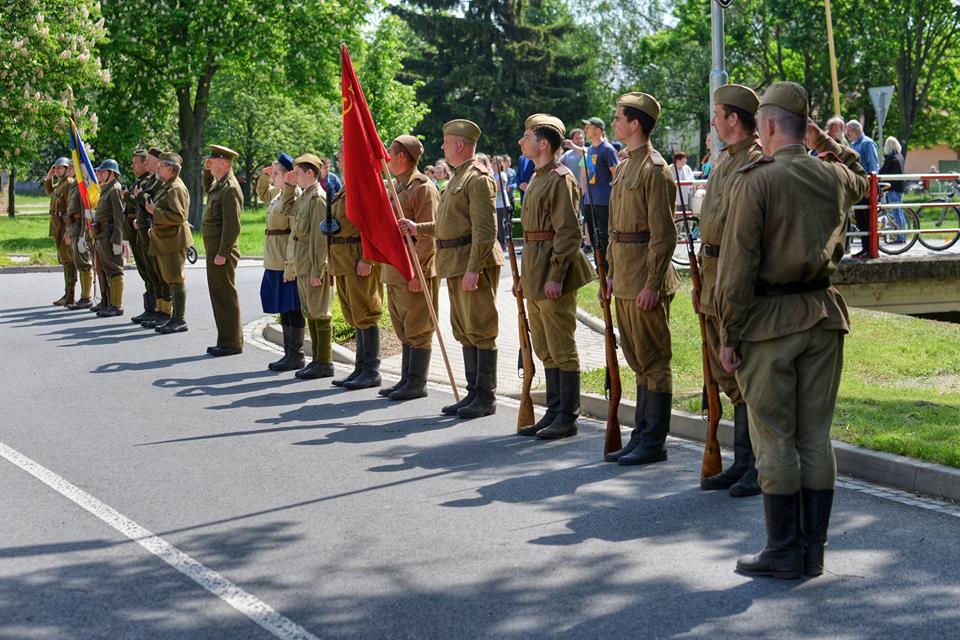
(867, 150)
(524, 173)
(601, 166)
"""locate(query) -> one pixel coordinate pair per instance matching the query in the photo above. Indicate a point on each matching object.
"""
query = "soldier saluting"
(782, 323)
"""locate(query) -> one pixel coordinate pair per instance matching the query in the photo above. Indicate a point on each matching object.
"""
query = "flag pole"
(94, 258)
(398, 211)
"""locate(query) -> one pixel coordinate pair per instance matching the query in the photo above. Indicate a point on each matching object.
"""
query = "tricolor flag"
(368, 205)
(82, 167)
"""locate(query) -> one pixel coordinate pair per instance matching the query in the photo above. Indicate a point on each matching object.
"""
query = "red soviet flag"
(368, 205)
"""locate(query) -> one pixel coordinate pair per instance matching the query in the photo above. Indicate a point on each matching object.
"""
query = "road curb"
(51, 268)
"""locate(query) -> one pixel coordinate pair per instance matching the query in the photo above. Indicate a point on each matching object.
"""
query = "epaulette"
(562, 170)
(340, 195)
(480, 168)
(656, 158)
(755, 163)
(418, 177)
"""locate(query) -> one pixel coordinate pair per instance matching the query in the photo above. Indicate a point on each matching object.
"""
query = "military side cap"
(642, 101)
(140, 153)
(217, 151)
(153, 151)
(109, 165)
(789, 96)
(597, 122)
(739, 96)
(412, 145)
(462, 128)
(545, 120)
(311, 159)
(285, 160)
(170, 156)
(62, 162)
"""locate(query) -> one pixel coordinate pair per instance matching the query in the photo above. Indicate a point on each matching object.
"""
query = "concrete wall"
(919, 160)
(902, 285)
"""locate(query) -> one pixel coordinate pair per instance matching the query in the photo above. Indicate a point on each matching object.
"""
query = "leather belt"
(538, 236)
(454, 242)
(345, 240)
(766, 289)
(131, 216)
(163, 225)
(711, 250)
(277, 232)
(639, 236)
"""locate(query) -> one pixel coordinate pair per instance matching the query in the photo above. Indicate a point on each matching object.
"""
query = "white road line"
(247, 604)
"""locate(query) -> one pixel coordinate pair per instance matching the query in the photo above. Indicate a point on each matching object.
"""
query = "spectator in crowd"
(867, 150)
(686, 174)
(431, 172)
(443, 175)
(601, 165)
(510, 171)
(706, 162)
(893, 164)
(835, 128)
(327, 177)
(502, 181)
(573, 159)
(524, 173)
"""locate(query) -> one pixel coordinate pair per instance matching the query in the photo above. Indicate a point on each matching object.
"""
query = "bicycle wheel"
(680, 257)
(939, 218)
(889, 244)
(192, 255)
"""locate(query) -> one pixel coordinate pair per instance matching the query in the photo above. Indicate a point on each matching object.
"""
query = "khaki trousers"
(315, 302)
(552, 327)
(473, 314)
(726, 381)
(361, 299)
(409, 314)
(222, 285)
(645, 339)
(171, 266)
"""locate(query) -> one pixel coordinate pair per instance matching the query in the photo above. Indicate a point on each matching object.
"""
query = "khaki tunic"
(153, 281)
(641, 201)
(76, 227)
(411, 320)
(467, 207)
(712, 218)
(221, 228)
(280, 220)
(108, 226)
(550, 205)
(307, 254)
(361, 299)
(170, 235)
(786, 223)
(59, 196)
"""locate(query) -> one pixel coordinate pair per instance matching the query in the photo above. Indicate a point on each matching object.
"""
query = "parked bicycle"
(895, 244)
(946, 217)
(679, 256)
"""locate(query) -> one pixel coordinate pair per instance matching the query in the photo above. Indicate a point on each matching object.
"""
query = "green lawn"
(900, 390)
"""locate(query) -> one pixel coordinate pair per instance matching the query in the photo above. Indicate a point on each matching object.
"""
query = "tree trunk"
(11, 192)
(191, 124)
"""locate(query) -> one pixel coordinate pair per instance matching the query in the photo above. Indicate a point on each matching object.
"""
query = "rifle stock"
(525, 416)
(712, 464)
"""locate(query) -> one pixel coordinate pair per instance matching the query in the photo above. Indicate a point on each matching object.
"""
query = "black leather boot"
(286, 348)
(417, 371)
(176, 323)
(485, 401)
(742, 454)
(782, 556)
(149, 308)
(816, 519)
(369, 375)
(552, 377)
(634, 441)
(321, 334)
(357, 360)
(656, 426)
(470, 372)
(295, 357)
(565, 424)
(404, 366)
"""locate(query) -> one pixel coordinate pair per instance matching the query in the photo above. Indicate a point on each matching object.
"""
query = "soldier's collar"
(550, 166)
(640, 152)
(746, 143)
(403, 179)
(790, 150)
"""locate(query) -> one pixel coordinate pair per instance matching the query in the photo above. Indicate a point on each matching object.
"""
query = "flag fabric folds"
(368, 205)
(83, 169)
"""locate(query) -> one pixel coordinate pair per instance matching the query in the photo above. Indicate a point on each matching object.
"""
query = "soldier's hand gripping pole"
(525, 417)
(712, 464)
(612, 385)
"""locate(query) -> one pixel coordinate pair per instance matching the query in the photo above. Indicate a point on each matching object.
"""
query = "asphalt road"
(356, 517)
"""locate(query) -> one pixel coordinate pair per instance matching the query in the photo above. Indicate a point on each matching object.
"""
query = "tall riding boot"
(64, 300)
(816, 519)
(104, 293)
(638, 419)
(742, 453)
(565, 424)
(357, 360)
(162, 315)
(656, 419)
(417, 371)
(286, 348)
(70, 277)
(782, 556)
(312, 328)
(748, 484)
(370, 373)
(485, 402)
(115, 306)
(470, 373)
(297, 358)
(321, 336)
(86, 284)
(404, 366)
(176, 323)
(149, 308)
(552, 377)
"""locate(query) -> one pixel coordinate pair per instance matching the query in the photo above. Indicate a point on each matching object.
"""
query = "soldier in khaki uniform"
(307, 263)
(77, 233)
(408, 308)
(734, 118)
(143, 193)
(553, 269)
(170, 236)
(782, 323)
(641, 277)
(59, 194)
(469, 257)
(277, 187)
(108, 225)
(142, 260)
(221, 228)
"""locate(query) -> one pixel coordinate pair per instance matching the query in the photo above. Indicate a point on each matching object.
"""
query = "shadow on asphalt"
(207, 386)
(119, 367)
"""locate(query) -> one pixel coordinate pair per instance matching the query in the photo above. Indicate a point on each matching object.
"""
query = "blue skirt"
(278, 296)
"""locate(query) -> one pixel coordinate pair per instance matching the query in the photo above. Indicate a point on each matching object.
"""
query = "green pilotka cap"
(789, 96)
(739, 96)
(463, 128)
